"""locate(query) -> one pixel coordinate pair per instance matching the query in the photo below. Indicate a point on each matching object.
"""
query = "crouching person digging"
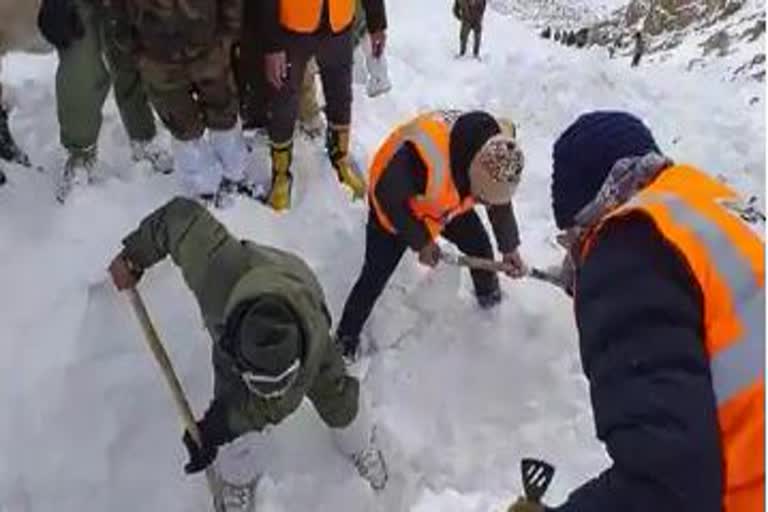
(266, 314)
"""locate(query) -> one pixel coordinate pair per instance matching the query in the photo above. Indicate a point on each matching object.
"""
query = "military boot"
(337, 146)
(8, 149)
(279, 197)
(81, 164)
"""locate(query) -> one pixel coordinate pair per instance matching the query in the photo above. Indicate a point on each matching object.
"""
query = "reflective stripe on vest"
(739, 365)
(440, 202)
(304, 16)
(727, 260)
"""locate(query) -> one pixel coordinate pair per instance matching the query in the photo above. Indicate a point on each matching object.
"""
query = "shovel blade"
(537, 475)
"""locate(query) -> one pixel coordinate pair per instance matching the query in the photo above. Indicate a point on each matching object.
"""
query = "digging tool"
(179, 398)
(460, 260)
(537, 475)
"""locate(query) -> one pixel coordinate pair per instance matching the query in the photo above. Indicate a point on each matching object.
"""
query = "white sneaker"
(236, 497)
(151, 152)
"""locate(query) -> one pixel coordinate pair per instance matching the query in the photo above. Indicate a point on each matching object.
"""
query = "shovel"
(179, 398)
(537, 475)
(460, 260)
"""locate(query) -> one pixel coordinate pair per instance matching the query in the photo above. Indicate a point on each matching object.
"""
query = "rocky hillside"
(725, 36)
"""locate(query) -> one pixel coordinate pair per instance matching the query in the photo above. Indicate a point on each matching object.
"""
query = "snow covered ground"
(461, 394)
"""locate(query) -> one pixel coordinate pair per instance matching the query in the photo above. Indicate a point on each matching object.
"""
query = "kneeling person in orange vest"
(670, 300)
(424, 182)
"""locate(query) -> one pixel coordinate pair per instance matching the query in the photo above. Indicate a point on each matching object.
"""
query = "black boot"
(348, 346)
(8, 149)
(489, 299)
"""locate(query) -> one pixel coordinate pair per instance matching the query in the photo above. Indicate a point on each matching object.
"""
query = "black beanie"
(586, 152)
(468, 135)
(269, 337)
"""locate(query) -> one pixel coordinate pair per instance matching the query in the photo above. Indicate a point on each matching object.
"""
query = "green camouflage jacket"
(224, 272)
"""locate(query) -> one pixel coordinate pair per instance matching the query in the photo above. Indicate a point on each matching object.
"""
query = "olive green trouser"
(87, 70)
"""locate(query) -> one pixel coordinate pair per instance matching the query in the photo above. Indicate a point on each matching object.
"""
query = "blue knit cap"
(585, 153)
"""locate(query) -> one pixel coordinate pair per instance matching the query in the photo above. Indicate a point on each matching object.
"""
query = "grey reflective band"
(437, 160)
(742, 363)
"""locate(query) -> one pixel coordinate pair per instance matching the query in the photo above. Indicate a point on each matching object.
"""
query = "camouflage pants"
(193, 95)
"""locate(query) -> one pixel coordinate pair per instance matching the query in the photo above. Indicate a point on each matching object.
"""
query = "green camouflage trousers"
(193, 95)
(83, 80)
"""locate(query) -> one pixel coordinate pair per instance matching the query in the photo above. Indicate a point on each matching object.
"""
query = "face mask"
(268, 386)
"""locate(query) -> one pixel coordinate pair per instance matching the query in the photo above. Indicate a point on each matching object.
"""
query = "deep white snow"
(461, 395)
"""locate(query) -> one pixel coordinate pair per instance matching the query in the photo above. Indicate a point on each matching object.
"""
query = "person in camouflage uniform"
(267, 315)
(470, 13)
(184, 54)
(89, 65)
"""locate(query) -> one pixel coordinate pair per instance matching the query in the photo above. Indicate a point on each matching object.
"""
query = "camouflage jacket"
(172, 30)
(223, 273)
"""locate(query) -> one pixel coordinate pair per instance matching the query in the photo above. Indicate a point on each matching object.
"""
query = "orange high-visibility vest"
(697, 215)
(440, 203)
(304, 15)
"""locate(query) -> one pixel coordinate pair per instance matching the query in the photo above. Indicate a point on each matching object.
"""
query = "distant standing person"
(639, 49)
(470, 13)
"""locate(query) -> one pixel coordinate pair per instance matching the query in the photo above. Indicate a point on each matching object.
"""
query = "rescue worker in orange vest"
(424, 181)
(295, 32)
(670, 300)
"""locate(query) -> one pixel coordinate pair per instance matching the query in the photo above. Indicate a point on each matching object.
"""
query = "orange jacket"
(303, 16)
(696, 214)
(430, 136)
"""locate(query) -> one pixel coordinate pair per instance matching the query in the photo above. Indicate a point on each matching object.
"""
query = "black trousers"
(333, 53)
(383, 252)
(248, 67)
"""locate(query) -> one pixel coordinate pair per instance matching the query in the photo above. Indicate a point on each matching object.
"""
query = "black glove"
(60, 23)
(214, 432)
(200, 457)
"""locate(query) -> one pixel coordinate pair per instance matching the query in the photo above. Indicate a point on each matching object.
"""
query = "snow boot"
(150, 151)
(358, 441)
(371, 467)
(236, 497)
(81, 163)
(199, 171)
(337, 146)
(231, 151)
(8, 149)
(279, 197)
(348, 346)
(490, 299)
(378, 74)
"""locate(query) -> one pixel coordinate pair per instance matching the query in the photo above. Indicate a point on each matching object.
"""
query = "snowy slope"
(461, 394)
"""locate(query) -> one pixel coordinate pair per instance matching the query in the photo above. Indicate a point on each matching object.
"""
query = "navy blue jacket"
(640, 318)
